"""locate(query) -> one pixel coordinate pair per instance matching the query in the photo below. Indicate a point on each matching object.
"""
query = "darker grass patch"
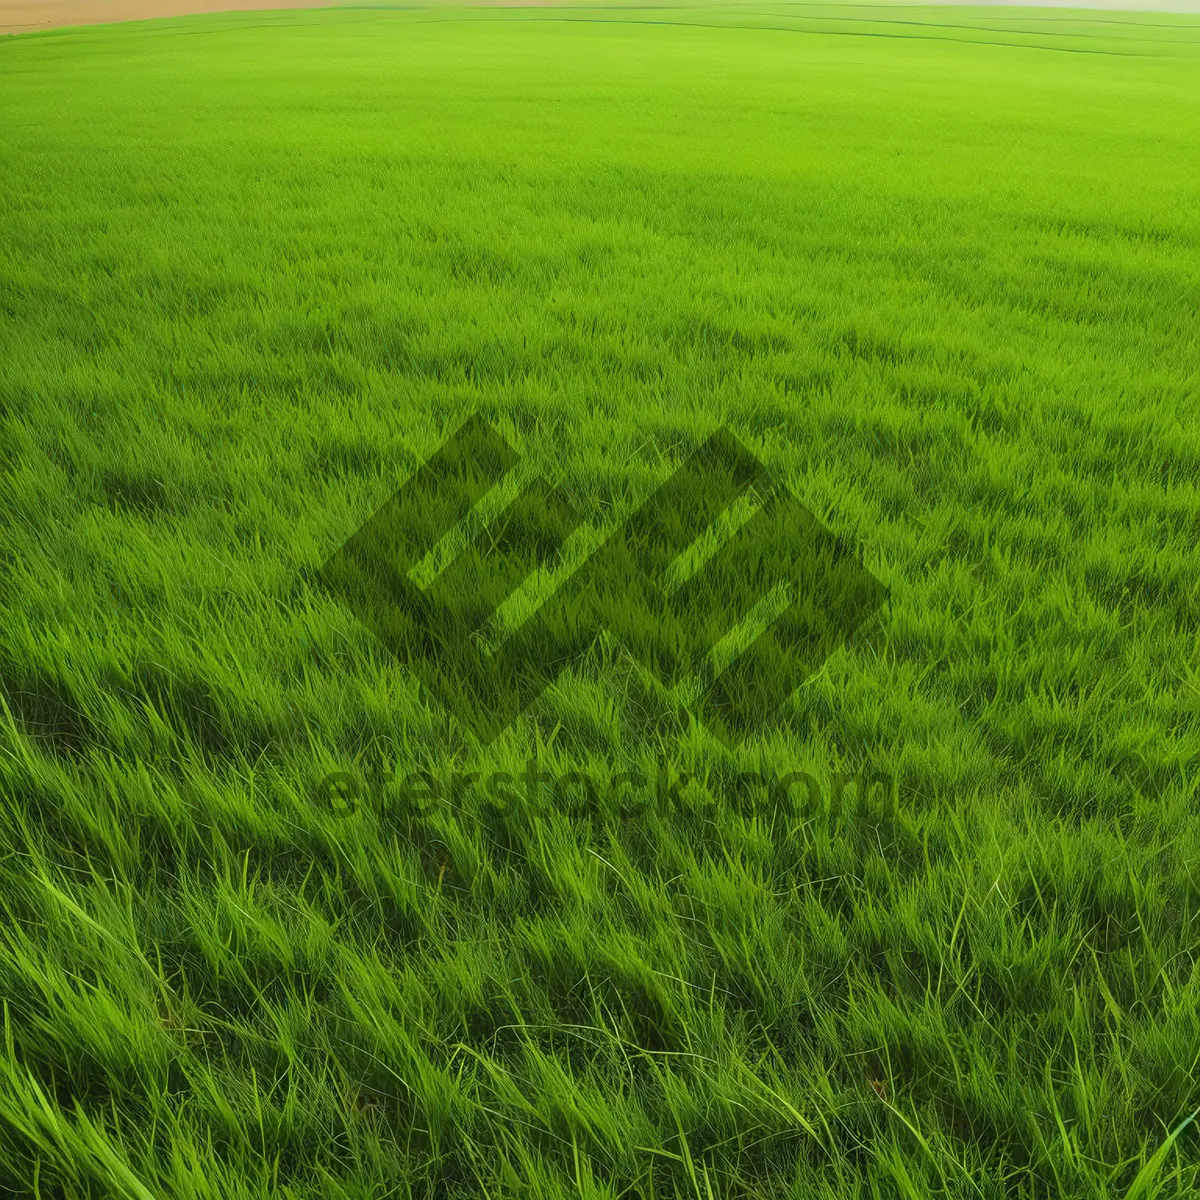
(1146, 233)
(48, 711)
(864, 345)
(719, 340)
(477, 265)
(816, 381)
(223, 726)
(343, 452)
(129, 490)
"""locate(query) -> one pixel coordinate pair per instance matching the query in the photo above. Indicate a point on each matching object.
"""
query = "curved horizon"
(31, 16)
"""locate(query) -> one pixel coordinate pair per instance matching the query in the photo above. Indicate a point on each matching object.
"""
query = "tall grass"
(936, 268)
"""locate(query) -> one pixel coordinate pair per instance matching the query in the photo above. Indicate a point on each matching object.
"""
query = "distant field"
(938, 268)
(21, 16)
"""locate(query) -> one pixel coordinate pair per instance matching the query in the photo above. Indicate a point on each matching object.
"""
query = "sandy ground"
(20, 16)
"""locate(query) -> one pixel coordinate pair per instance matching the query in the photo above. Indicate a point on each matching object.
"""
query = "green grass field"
(937, 268)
